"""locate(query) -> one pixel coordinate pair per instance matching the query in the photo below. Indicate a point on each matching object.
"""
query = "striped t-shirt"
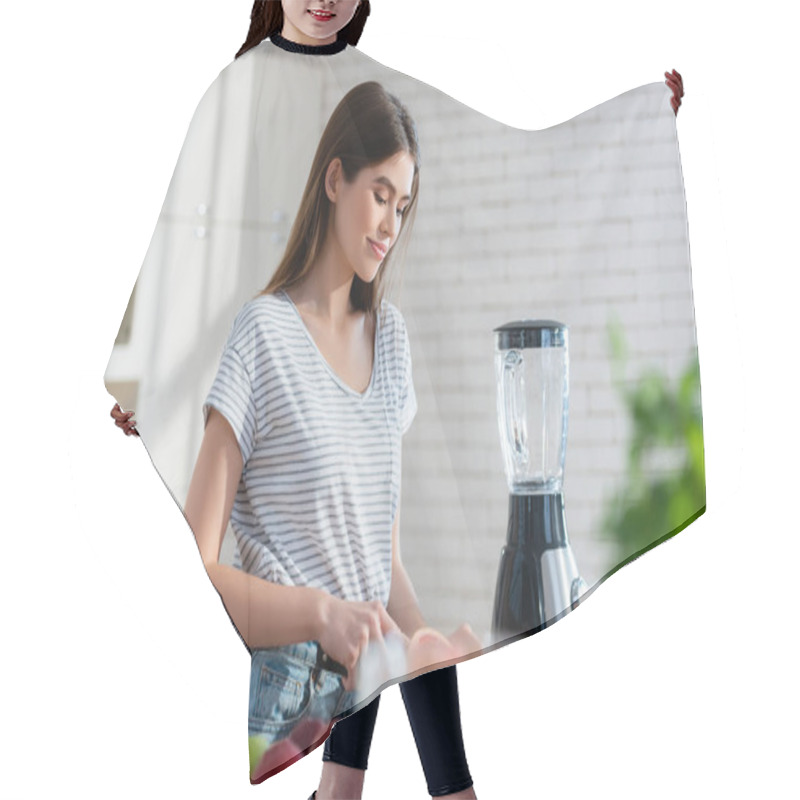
(321, 479)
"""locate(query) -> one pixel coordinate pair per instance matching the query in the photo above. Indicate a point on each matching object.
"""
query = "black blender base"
(535, 524)
(518, 601)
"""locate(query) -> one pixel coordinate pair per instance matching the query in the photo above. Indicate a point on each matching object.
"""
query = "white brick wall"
(507, 228)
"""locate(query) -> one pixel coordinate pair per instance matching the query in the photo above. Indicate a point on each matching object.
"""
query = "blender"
(538, 579)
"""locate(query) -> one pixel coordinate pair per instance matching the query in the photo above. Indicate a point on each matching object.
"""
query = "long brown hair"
(367, 127)
(266, 18)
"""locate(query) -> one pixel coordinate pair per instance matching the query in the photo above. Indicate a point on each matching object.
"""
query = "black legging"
(432, 706)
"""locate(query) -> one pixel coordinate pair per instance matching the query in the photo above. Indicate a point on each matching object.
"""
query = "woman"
(301, 448)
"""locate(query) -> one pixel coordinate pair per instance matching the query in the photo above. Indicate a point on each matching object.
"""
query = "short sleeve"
(233, 396)
(408, 398)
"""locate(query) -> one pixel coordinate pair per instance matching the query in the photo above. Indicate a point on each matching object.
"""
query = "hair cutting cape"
(584, 223)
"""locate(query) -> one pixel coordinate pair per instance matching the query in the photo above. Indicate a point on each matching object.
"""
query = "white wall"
(584, 222)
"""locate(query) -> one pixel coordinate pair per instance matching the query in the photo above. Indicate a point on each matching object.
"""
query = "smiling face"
(367, 214)
(316, 22)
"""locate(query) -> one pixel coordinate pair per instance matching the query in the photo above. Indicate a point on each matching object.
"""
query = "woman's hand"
(124, 420)
(429, 647)
(464, 641)
(346, 628)
(675, 82)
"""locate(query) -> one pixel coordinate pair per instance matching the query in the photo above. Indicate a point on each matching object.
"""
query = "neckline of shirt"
(308, 49)
(331, 371)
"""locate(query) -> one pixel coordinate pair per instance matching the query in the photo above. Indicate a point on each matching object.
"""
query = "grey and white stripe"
(321, 480)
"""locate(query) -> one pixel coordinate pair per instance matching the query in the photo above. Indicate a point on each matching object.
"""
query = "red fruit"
(310, 733)
(277, 757)
(305, 736)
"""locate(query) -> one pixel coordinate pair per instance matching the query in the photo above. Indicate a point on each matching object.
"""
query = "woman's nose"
(389, 225)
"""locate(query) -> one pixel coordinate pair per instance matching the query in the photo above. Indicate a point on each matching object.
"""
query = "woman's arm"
(267, 614)
(426, 647)
(247, 598)
(403, 606)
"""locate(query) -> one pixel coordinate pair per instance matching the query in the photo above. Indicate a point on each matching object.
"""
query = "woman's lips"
(379, 250)
(322, 16)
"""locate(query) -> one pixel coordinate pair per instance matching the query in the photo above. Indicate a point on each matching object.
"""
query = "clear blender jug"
(532, 369)
(538, 578)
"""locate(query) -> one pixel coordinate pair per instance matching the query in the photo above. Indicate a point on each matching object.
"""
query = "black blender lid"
(528, 333)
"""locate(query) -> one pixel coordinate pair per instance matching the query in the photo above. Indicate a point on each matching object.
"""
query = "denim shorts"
(290, 684)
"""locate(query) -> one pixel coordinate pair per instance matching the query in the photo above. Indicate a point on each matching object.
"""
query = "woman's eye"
(379, 200)
(401, 212)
